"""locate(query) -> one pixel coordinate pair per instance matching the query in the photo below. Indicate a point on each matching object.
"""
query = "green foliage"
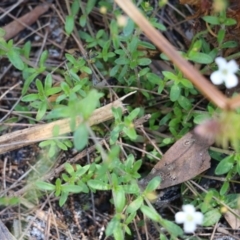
(126, 126)
(40, 100)
(119, 52)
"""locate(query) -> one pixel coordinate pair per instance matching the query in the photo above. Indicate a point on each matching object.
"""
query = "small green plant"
(40, 100)
(120, 52)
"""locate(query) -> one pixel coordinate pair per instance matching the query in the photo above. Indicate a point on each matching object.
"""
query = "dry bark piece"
(187, 158)
(232, 219)
(42, 132)
(13, 28)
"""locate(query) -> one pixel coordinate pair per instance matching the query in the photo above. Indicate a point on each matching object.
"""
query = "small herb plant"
(120, 52)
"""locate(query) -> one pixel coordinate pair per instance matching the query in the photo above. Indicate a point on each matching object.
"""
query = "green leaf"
(221, 35)
(197, 46)
(58, 184)
(122, 61)
(232, 200)
(40, 88)
(114, 134)
(52, 90)
(52, 150)
(201, 117)
(75, 7)
(133, 114)
(161, 86)
(172, 228)
(112, 226)
(199, 57)
(128, 29)
(89, 103)
(74, 76)
(170, 75)
(26, 49)
(124, 71)
(175, 92)
(147, 45)
(130, 218)
(229, 44)
(98, 185)
(45, 186)
(30, 97)
(225, 165)
(114, 70)
(153, 78)
(69, 168)
(82, 170)
(211, 217)
(99, 33)
(41, 111)
(90, 5)
(137, 165)
(133, 44)
(144, 71)
(2, 32)
(119, 198)
(69, 24)
(86, 70)
(150, 213)
(211, 19)
(83, 20)
(144, 61)
(63, 198)
(230, 22)
(71, 188)
(153, 184)
(130, 132)
(186, 83)
(48, 82)
(163, 237)
(184, 102)
(135, 205)
(224, 189)
(15, 59)
(117, 114)
(45, 143)
(119, 234)
(61, 145)
(65, 87)
(80, 137)
(70, 58)
(159, 26)
(43, 58)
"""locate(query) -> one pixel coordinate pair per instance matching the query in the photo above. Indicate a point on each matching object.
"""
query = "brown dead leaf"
(232, 220)
(13, 28)
(187, 158)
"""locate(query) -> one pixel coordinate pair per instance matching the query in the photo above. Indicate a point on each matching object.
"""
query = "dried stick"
(41, 132)
(203, 85)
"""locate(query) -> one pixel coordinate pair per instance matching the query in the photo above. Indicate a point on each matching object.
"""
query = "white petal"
(189, 227)
(231, 81)
(198, 218)
(180, 217)
(221, 62)
(217, 77)
(232, 66)
(188, 209)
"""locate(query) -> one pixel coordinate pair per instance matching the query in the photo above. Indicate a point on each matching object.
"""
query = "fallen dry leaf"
(187, 158)
(13, 28)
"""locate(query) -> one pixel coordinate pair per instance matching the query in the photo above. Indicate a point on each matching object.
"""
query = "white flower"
(225, 73)
(189, 217)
